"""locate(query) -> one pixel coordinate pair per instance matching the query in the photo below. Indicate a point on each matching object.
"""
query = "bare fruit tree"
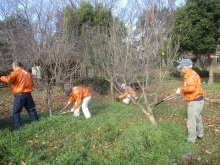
(147, 47)
(152, 37)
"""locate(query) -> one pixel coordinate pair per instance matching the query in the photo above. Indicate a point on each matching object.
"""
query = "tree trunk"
(148, 113)
(48, 98)
(163, 63)
(211, 74)
(112, 89)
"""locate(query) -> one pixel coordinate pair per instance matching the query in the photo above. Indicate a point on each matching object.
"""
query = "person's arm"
(133, 93)
(190, 85)
(70, 100)
(68, 103)
(123, 95)
(78, 101)
(9, 79)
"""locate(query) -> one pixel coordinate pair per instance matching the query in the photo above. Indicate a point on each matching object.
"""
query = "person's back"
(21, 81)
(83, 92)
(130, 91)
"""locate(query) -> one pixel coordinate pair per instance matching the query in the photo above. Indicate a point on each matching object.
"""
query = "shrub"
(201, 73)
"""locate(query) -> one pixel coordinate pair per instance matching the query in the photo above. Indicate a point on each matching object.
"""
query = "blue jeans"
(23, 100)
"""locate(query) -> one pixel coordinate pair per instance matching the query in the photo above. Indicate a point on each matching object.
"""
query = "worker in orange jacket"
(82, 97)
(22, 86)
(194, 95)
(128, 93)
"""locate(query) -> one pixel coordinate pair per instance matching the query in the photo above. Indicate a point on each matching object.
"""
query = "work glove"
(72, 110)
(178, 91)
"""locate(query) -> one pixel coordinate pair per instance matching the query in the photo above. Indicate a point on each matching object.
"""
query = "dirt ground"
(212, 102)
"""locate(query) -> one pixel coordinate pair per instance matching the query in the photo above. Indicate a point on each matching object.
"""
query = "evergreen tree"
(198, 25)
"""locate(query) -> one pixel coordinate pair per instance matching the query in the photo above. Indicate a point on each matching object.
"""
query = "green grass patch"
(215, 86)
(116, 134)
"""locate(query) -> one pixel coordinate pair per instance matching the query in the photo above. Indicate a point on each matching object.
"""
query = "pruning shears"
(172, 96)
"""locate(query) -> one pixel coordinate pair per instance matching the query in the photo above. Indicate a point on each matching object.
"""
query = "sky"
(123, 5)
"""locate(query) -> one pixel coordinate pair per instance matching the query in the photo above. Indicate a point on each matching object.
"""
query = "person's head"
(185, 65)
(16, 64)
(123, 85)
(68, 91)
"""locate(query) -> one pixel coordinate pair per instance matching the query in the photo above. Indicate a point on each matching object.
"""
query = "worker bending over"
(128, 94)
(82, 97)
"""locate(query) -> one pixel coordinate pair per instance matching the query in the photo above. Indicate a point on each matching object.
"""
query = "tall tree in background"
(198, 25)
(13, 29)
(94, 30)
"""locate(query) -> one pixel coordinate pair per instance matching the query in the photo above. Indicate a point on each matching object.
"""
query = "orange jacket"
(192, 88)
(128, 90)
(78, 94)
(20, 79)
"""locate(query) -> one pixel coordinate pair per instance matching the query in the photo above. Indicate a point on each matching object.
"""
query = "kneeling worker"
(128, 93)
(82, 97)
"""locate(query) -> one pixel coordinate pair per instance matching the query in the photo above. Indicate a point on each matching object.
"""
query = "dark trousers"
(23, 100)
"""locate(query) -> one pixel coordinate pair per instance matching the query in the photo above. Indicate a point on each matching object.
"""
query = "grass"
(116, 134)
(215, 86)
